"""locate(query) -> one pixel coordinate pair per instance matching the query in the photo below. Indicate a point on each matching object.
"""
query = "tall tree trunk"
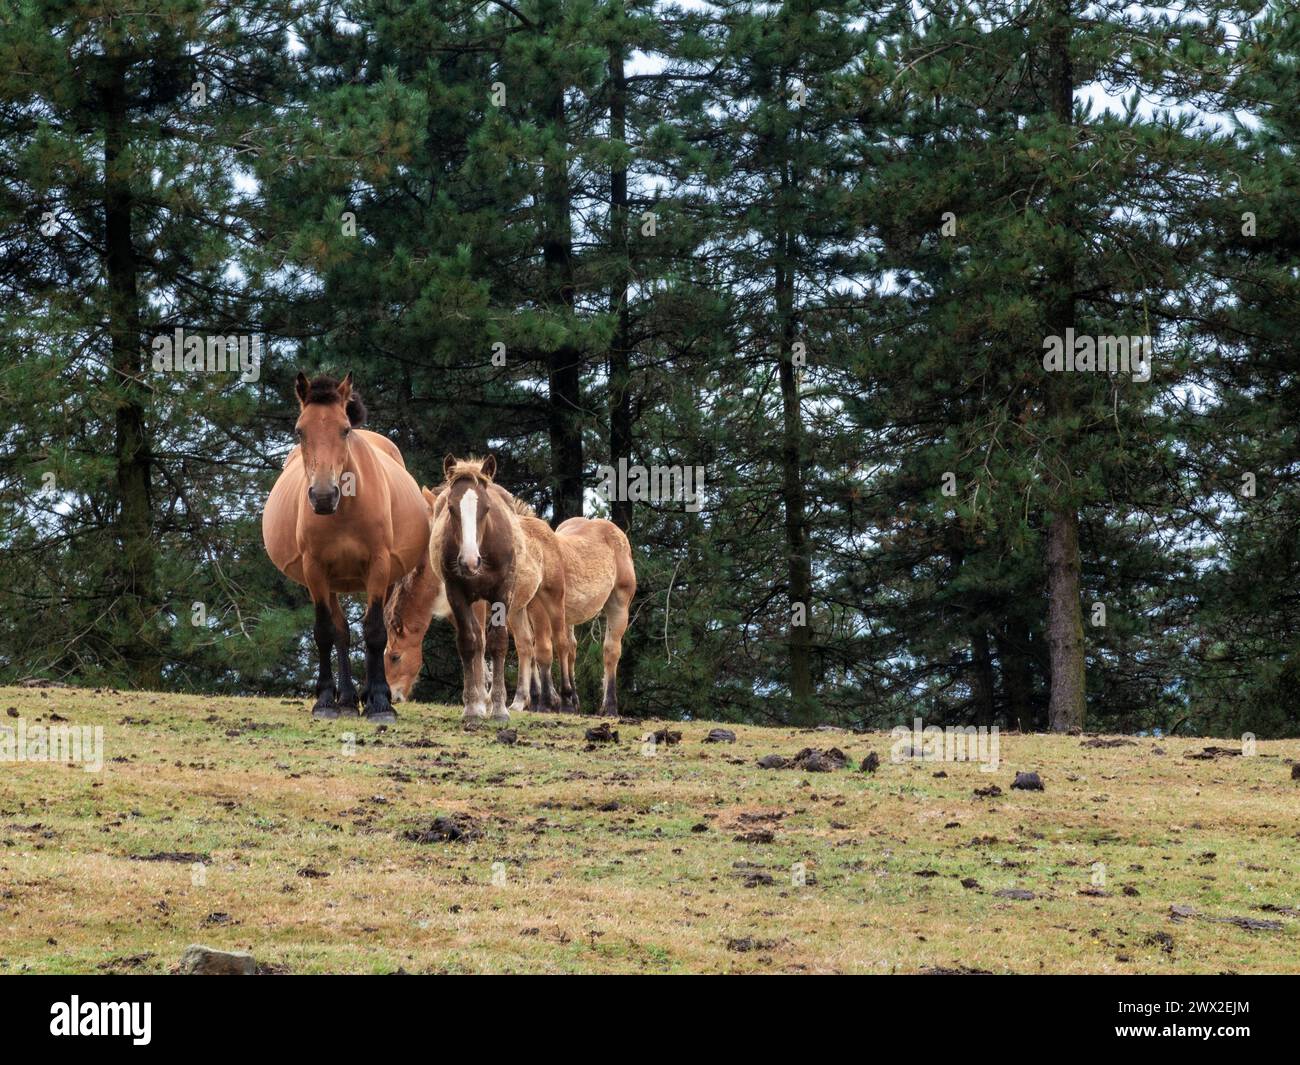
(134, 566)
(564, 362)
(1017, 679)
(620, 366)
(1064, 610)
(620, 355)
(798, 557)
(982, 661)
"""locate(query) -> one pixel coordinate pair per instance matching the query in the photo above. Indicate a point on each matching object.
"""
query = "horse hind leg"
(521, 629)
(551, 625)
(347, 690)
(540, 696)
(616, 614)
(568, 663)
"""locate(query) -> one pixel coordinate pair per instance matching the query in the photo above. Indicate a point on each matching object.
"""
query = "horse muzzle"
(324, 502)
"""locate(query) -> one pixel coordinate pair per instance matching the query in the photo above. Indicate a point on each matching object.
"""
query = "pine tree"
(1015, 213)
(121, 129)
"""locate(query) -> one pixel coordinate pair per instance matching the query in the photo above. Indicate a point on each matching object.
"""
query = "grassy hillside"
(627, 856)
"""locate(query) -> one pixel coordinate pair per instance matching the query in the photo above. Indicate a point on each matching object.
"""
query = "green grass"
(271, 796)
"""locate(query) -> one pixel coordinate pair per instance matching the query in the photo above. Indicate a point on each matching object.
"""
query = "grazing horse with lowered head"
(344, 516)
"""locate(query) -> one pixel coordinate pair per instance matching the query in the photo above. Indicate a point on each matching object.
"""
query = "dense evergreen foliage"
(815, 251)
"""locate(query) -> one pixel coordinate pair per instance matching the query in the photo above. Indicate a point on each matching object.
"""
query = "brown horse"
(344, 516)
(417, 599)
(420, 596)
(479, 551)
(598, 578)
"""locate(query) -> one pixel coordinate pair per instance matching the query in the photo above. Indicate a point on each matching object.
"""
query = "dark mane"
(325, 389)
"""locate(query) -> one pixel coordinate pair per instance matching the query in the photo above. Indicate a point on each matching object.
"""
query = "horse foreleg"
(347, 690)
(469, 644)
(498, 642)
(616, 611)
(376, 695)
(325, 706)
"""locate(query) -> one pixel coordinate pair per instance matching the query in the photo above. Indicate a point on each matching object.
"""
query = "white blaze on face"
(469, 530)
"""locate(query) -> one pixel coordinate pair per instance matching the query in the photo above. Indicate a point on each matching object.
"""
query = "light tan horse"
(599, 577)
(344, 516)
(544, 615)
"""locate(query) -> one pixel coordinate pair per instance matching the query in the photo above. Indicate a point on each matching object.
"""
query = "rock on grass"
(1027, 782)
(199, 960)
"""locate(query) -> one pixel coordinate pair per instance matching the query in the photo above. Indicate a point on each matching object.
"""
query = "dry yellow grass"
(562, 880)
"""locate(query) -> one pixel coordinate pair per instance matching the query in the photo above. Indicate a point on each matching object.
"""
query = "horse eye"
(345, 432)
(397, 657)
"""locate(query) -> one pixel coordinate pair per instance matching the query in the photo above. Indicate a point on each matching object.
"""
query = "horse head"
(467, 498)
(328, 410)
(406, 618)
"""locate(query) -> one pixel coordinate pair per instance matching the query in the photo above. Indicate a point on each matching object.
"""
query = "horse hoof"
(500, 719)
(379, 711)
(325, 713)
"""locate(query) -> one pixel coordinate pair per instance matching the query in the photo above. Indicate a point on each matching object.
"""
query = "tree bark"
(982, 661)
(620, 366)
(794, 497)
(1065, 624)
(134, 565)
(1067, 707)
(564, 362)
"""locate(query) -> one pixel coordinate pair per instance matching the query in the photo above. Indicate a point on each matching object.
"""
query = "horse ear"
(345, 387)
(430, 497)
(448, 464)
(489, 467)
(300, 387)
